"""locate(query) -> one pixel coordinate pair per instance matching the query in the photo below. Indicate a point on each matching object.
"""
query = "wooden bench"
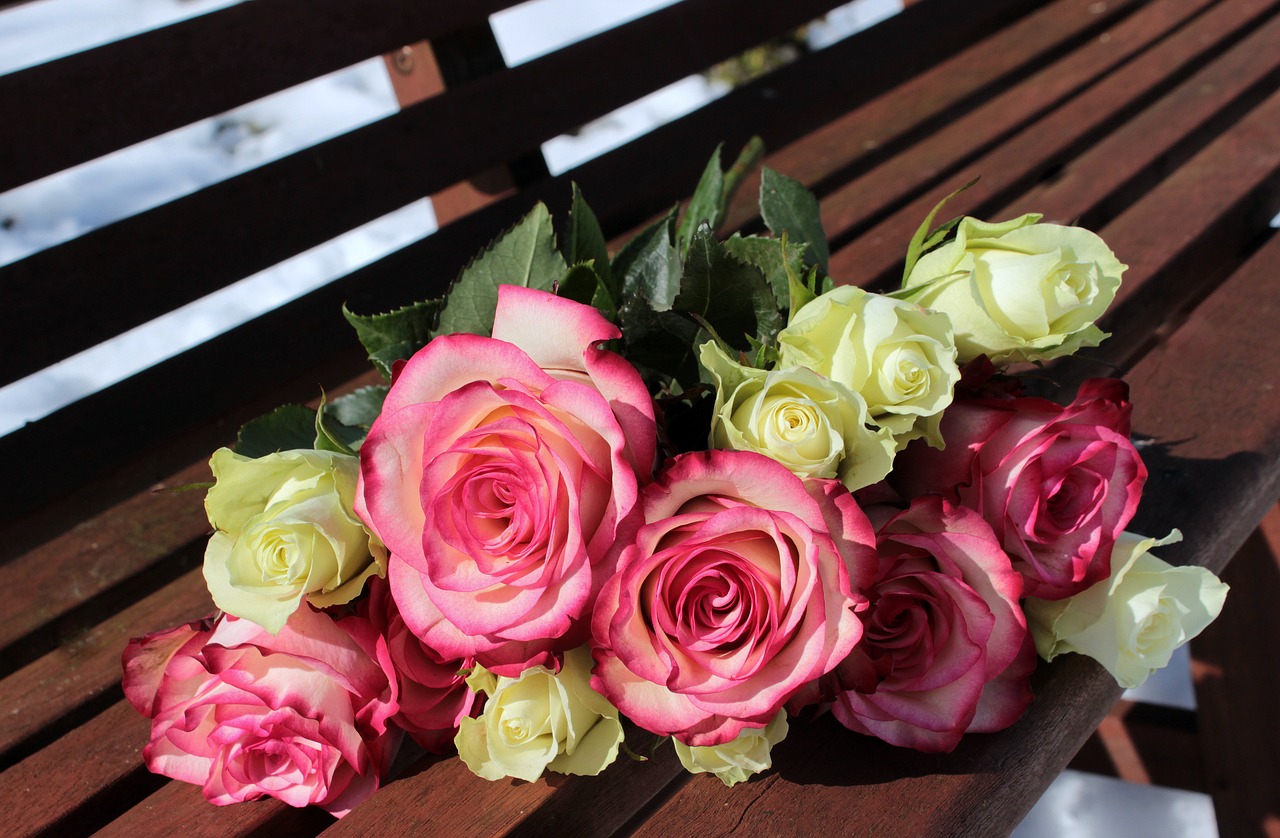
(1156, 123)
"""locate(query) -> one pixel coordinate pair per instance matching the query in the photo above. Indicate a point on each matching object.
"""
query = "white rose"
(738, 759)
(1131, 622)
(1018, 290)
(286, 529)
(812, 425)
(900, 357)
(540, 720)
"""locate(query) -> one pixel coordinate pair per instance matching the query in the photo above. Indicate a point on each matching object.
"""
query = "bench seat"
(1155, 123)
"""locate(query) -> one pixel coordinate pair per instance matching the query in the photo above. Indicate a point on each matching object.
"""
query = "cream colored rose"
(286, 530)
(540, 719)
(812, 425)
(738, 759)
(1131, 622)
(898, 356)
(1018, 290)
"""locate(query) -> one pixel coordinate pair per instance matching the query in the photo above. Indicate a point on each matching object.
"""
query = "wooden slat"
(624, 188)
(1236, 684)
(86, 105)
(100, 553)
(444, 794)
(851, 143)
(180, 809)
(1020, 137)
(89, 665)
(87, 766)
(254, 220)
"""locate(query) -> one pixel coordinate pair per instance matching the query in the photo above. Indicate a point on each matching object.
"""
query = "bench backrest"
(70, 297)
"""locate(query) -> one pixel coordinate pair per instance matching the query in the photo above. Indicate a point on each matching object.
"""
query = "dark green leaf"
(581, 284)
(731, 295)
(283, 429)
(360, 408)
(707, 204)
(332, 435)
(524, 255)
(649, 264)
(747, 160)
(786, 206)
(394, 335)
(767, 255)
(662, 344)
(586, 242)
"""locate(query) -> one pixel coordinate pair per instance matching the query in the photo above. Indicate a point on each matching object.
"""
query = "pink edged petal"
(452, 361)
(387, 488)
(146, 659)
(1007, 696)
(553, 331)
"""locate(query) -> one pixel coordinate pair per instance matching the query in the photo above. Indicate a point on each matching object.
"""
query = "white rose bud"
(540, 720)
(1018, 290)
(738, 759)
(1132, 621)
(286, 530)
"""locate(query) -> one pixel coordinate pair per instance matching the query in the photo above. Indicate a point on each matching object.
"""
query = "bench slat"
(104, 99)
(1101, 84)
(257, 219)
(623, 188)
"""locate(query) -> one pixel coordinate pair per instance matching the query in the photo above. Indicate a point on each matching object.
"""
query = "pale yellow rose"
(286, 530)
(1018, 290)
(738, 759)
(898, 356)
(540, 720)
(1132, 621)
(812, 425)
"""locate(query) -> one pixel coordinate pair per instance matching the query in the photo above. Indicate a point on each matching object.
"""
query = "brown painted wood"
(257, 219)
(624, 187)
(1236, 683)
(853, 142)
(86, 666)
(1024, 134)
(52, 788)
(86, 105)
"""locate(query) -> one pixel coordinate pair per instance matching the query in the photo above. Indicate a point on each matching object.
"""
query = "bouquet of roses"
(693, 484)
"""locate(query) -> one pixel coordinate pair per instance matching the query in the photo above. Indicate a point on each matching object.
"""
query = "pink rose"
(500, 473)
(301, 716)
(433, 692)
(945, 649)
(740, 588)
(1057, 484)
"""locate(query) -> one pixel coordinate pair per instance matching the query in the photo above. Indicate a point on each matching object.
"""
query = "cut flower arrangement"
(695, 485)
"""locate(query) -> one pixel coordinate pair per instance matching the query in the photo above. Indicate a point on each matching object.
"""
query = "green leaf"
(586, 242)
(524, 255)
(286, 428)
(661, 344)
(732, 296)
(332, 435)
(394, 335)
(358, 409)
(786, 206)
(583, 285)
(716, 187)
(649, 264)
(747, 160)
(922, 241)
(707, 204)
(777, 259)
